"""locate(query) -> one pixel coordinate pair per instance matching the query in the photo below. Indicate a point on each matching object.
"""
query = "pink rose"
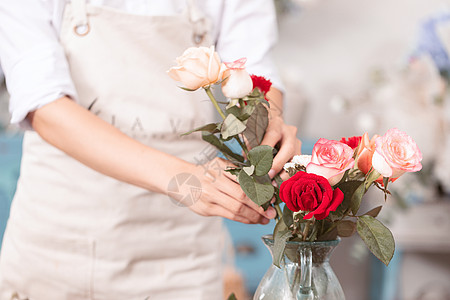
(365, 152)
(198, 67)
(330, 159)
(396, 153)
(238, 82)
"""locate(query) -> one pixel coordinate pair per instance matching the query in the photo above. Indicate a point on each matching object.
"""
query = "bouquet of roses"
(324, 193)
(245, 117)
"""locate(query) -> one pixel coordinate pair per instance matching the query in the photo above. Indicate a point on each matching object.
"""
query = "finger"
(237, 209)
(235, 192)
(284, 175)
(217, 167)
(212, 209)
(290, 146)
(271, 138)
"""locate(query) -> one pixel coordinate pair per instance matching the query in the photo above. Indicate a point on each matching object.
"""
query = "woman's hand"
(280, 133)
(222, 196)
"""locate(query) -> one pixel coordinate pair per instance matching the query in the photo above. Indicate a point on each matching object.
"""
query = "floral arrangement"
(324, 193)
(325, 190)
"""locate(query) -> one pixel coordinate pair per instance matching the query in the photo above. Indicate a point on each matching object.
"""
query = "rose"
(365, 153)
(396, 153)
(198, 67)
(301, 160)
(352, 142)
(237, 83)
(311, 193)
(261, 83)
(330, 159)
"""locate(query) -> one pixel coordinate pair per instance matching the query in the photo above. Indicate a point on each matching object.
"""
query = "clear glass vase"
(304, 273)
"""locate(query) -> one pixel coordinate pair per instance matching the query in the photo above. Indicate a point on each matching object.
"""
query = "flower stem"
(279, 212)
(214, 102)
(306, 230)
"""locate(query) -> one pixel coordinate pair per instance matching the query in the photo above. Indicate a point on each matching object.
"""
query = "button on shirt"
(36, 69)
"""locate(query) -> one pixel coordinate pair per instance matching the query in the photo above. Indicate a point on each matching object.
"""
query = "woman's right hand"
(221, 195)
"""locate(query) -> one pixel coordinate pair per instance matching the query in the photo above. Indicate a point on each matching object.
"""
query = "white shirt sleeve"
(32, 58)
(249, 29)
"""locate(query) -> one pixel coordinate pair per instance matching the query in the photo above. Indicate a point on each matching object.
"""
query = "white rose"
(198, 67)
(301, 160)
(289, 165)
(238, 82)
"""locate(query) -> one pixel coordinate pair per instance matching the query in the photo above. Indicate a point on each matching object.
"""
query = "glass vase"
(304, 274)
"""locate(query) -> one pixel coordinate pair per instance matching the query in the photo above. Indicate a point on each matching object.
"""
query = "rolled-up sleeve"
(249, 29)
(32, 58)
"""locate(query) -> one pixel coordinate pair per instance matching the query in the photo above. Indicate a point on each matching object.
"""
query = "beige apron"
(76, 234)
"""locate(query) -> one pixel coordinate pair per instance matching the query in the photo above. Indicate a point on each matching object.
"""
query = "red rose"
(262, 83)
(352, 142)
(312, 193)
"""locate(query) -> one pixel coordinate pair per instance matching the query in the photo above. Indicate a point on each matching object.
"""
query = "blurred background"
(351, 66)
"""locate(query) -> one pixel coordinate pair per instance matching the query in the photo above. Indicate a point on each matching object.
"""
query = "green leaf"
(216, 142)
(357, 197)
(211, 128)
(261, 157)
(329, 235)
(281, 235)
(346, 228)
(371, 177)
(231, 126)
(374, 212)
(288, 216)
(232, 297)
(348, 188)
(377, 237)
(233, 171)
(257, 125)
(257, 192)
(186, 89)
(242, 113)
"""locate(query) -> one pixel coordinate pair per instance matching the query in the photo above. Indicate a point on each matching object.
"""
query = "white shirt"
(36, 69)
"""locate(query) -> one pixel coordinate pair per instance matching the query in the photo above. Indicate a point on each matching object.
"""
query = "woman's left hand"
(280, 133)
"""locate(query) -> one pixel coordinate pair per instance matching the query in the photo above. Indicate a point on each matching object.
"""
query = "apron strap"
(80, 17)
(201, 24)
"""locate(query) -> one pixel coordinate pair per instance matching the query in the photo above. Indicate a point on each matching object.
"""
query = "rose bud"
(237, 83)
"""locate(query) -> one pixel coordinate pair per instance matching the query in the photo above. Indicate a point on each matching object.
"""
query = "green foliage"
(281, 235)
(211, 128)
(260, 193)
(346, 228)
(357, 197)
(257, 125)
(377, 237)
(220, 145)
(231, 126)
(374, 211)
(232, 297)
(261, 157)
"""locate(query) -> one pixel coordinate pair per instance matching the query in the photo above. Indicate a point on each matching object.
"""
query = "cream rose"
(396, 153)
(238, 82)
(330, 159)
(198, 67)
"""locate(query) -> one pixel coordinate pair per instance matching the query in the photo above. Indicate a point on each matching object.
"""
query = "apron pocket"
(47, 266)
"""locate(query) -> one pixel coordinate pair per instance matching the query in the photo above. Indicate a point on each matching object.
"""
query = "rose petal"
(380, 164)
